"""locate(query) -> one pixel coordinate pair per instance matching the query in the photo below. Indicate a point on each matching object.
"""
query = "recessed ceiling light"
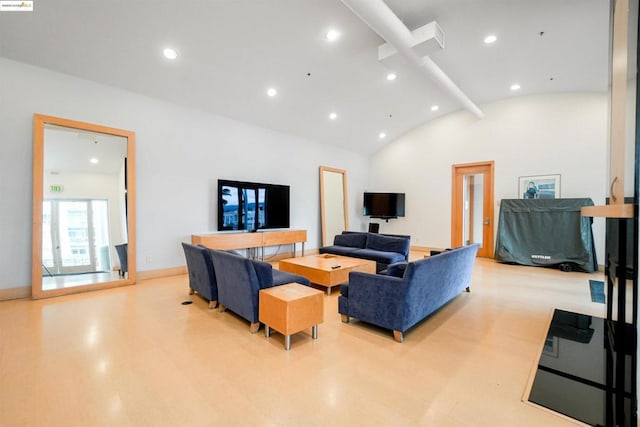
(93, 160)
(332, 35)
(170, 53)
(391, 76)
(434, 108)
(382, 135)
(515, 86)
(490, 39)
(333, 116)
(272, 92)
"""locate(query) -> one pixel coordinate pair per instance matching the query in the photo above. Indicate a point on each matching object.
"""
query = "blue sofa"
(202, 278)
(409, 292)
(384, 249)
(240, 280)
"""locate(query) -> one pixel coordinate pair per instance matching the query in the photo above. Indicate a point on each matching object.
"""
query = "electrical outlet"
(148, 259)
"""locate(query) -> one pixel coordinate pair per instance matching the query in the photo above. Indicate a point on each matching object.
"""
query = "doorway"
(472, 206)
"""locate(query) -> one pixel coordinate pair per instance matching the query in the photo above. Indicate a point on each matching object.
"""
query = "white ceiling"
(231, 51)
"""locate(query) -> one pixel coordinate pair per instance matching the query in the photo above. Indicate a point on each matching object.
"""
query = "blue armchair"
(202, 278)
(409, 292)
(121, 250)
(240, 280)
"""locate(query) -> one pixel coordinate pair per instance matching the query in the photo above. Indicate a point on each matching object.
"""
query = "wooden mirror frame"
(328, 239)
(39, 122)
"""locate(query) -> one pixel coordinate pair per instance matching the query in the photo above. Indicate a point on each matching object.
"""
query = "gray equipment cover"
(546, 233)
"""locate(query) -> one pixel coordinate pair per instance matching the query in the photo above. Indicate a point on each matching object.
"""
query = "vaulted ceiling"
(231, 51)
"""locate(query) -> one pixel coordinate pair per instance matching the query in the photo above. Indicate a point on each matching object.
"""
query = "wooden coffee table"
(326, 269)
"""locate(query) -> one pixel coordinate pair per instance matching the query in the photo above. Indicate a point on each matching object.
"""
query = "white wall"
(536, 135)
(180, 155)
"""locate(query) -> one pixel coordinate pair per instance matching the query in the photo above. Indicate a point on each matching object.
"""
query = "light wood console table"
(247, 240)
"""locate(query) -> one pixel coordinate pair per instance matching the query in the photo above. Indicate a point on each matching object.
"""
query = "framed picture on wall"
(539, 187)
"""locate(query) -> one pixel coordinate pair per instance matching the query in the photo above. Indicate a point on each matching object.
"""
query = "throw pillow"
(352, 240)
(379, 242)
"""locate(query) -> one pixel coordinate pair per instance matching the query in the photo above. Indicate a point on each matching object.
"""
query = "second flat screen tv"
(252, 206)
(383, 205)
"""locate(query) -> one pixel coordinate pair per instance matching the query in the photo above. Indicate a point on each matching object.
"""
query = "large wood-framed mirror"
(334, 204)
(83, 207)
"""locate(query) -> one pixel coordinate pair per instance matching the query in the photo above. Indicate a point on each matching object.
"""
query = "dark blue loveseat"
(409, 292)
(384, 249)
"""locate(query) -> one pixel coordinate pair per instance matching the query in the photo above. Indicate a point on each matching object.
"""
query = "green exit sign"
(55, 188)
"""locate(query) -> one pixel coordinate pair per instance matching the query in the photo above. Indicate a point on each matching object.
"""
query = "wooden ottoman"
(291, 308)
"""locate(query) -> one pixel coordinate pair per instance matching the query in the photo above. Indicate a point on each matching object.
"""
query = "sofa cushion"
(338, 250)
(378, 256)
(388, 244)
(352, 240)
(397, 269)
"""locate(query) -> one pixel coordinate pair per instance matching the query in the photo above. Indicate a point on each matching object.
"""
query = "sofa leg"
(191, 291)
(221, 308)
(253, 328)
(345, 318)
(468, 289)
(212, 304)
(398, 336)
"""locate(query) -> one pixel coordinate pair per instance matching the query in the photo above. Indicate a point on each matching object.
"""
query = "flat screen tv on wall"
(383, 205)
(252, 206)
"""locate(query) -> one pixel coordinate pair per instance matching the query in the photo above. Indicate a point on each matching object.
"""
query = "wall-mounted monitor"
(252, 206)
(383, 205)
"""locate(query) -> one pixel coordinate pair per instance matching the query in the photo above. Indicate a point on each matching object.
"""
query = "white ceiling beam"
(377, 15)
(426, 40)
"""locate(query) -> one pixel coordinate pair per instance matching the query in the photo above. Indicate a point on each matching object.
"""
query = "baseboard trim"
(163, 272)
(15, 293)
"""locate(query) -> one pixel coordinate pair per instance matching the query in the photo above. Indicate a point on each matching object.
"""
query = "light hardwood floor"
(135, 356)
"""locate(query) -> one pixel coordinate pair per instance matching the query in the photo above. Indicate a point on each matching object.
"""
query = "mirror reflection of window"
(75, 237)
